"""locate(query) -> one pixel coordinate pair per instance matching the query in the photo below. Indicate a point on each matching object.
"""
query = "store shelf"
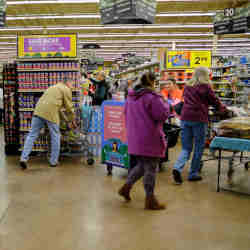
(146, 66)
(227, 91)
(48, 70)
(244, 76)
(225, 75)
(39, 90)
(224, 67)
(24, 129)
(228, 83)
(226, 99)
(46, 59)
(26, 109)
(181, 69)
(35, 150)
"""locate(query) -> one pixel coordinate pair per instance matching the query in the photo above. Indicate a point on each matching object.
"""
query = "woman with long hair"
(198, 96)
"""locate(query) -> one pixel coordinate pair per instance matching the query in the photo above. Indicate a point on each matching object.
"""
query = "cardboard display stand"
(114, 137)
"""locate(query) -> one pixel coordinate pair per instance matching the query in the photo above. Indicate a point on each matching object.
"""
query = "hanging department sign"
(127, 11)
(232, 21)
(188, 59)
(44, 46)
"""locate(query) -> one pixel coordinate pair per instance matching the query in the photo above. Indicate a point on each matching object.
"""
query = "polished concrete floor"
(76, 207)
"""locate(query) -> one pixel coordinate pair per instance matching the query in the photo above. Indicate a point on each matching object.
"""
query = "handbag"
(178, 107)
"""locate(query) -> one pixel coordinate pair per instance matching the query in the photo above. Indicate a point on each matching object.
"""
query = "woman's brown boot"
(125, 192)
(151, 203)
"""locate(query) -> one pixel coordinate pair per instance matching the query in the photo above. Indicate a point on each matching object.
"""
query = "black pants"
(1, 115)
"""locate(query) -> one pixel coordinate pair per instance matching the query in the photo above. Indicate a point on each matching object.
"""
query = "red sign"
(114, 123)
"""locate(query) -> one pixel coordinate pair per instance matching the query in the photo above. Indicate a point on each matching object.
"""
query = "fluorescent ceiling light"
(8, 48)
(51, 2)
(77, 1)
(156, 35)
(11, 18)
(186, 14)
(7, 43)
(7, 37)
(147, 41)
(86, 16)
(109, 27)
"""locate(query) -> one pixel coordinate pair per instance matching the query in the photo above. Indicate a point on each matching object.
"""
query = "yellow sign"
(200, 59)
(188, 59)
(47, 46)
(178, 59)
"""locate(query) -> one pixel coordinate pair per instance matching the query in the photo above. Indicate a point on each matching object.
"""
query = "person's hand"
(73, 125)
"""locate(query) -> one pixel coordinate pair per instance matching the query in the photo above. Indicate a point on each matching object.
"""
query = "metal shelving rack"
(223, 78)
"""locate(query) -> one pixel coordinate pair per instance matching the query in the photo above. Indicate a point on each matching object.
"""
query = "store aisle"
(75, 207)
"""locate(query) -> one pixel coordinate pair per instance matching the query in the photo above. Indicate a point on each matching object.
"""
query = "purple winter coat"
(145, 113)
(197, 99)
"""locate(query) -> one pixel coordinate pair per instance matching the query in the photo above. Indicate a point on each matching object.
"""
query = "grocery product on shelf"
(227, 79)
(11, 119)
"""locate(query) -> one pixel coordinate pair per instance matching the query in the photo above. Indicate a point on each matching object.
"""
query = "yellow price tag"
(201, 59)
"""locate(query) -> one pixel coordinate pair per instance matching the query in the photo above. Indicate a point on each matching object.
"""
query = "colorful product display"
(33, 80)
(43, 80)
(48, 66)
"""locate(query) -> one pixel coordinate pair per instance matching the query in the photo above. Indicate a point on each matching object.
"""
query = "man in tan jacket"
(47, 111)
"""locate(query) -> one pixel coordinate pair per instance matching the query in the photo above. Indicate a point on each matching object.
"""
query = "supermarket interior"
(89, 89)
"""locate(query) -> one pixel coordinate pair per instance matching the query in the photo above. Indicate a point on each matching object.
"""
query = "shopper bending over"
(47, 112)
(145, 113)
(102, 89)
(198, 96)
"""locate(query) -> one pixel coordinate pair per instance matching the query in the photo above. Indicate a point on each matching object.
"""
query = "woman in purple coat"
(145, 113)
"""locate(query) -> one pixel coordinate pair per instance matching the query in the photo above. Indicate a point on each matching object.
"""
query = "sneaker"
(53, 165)
(23, 165)
(195, 178)
(177, 177)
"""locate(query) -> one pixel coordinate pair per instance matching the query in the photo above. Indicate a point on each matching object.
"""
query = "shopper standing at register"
(47, 112)
(198, 96)
(145, 113)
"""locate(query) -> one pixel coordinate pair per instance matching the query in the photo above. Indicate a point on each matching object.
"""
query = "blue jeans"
(36, 125)
(191, 132)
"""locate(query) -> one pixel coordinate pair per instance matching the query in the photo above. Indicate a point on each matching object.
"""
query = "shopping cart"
(213, 118)
(74, 142)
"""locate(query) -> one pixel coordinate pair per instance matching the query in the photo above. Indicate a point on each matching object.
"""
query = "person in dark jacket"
(145, 113)
(198, 96)
(102, 89)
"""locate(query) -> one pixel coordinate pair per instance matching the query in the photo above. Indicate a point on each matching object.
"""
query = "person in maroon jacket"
(198, 96)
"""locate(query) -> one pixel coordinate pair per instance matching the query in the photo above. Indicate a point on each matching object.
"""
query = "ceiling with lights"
(188, 23)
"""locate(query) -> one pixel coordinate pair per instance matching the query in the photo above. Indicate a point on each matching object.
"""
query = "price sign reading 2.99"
(201, 59)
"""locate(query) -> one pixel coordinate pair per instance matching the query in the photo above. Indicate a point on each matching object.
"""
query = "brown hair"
(172, 80)
(148, 79)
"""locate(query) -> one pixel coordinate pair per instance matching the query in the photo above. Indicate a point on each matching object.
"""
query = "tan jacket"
(53, 101)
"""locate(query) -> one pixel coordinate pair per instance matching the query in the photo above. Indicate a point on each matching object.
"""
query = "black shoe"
(23, 165)
(195, 178)
(177, 177)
